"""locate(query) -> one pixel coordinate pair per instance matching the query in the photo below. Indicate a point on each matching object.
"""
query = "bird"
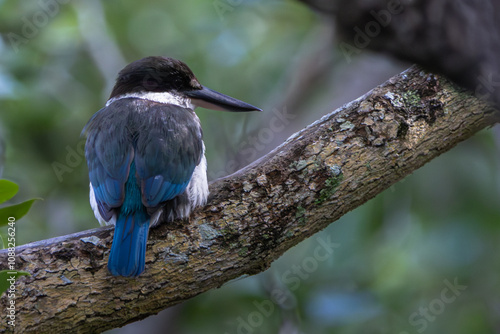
(146, 156)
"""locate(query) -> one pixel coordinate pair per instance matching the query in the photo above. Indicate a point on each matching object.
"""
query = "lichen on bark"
(254, 215)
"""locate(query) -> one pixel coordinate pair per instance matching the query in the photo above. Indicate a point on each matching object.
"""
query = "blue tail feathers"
(128, 252)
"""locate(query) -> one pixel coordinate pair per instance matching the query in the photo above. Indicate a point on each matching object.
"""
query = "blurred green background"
(419, 258)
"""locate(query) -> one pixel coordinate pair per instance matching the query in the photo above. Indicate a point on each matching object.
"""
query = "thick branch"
(254, 215)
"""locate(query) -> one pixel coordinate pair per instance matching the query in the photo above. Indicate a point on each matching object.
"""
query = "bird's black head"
(155, 74)
(168, 75)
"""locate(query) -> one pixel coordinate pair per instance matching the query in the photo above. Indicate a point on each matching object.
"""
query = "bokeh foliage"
(395, 253)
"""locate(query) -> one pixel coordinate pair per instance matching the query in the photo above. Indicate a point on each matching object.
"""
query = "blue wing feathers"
(156, 190)
(167, 153)
(139, 155)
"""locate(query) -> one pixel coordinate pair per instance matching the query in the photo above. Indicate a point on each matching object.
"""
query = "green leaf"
(6, 274)
(7, 190)
(17, 211)
(2, 237)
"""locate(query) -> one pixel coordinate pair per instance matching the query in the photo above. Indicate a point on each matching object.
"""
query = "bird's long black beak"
(210, 99)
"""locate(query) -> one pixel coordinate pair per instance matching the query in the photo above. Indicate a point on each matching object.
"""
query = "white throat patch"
(160, 97)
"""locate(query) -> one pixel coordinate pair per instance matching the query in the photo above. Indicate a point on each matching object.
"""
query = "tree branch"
(254, 215)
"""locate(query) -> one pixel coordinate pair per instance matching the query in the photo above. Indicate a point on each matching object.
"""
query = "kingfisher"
(146, 156)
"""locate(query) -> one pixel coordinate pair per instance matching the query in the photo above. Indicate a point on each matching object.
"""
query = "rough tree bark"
(254, 215)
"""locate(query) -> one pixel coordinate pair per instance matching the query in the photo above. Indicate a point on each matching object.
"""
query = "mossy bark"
(253, 216)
